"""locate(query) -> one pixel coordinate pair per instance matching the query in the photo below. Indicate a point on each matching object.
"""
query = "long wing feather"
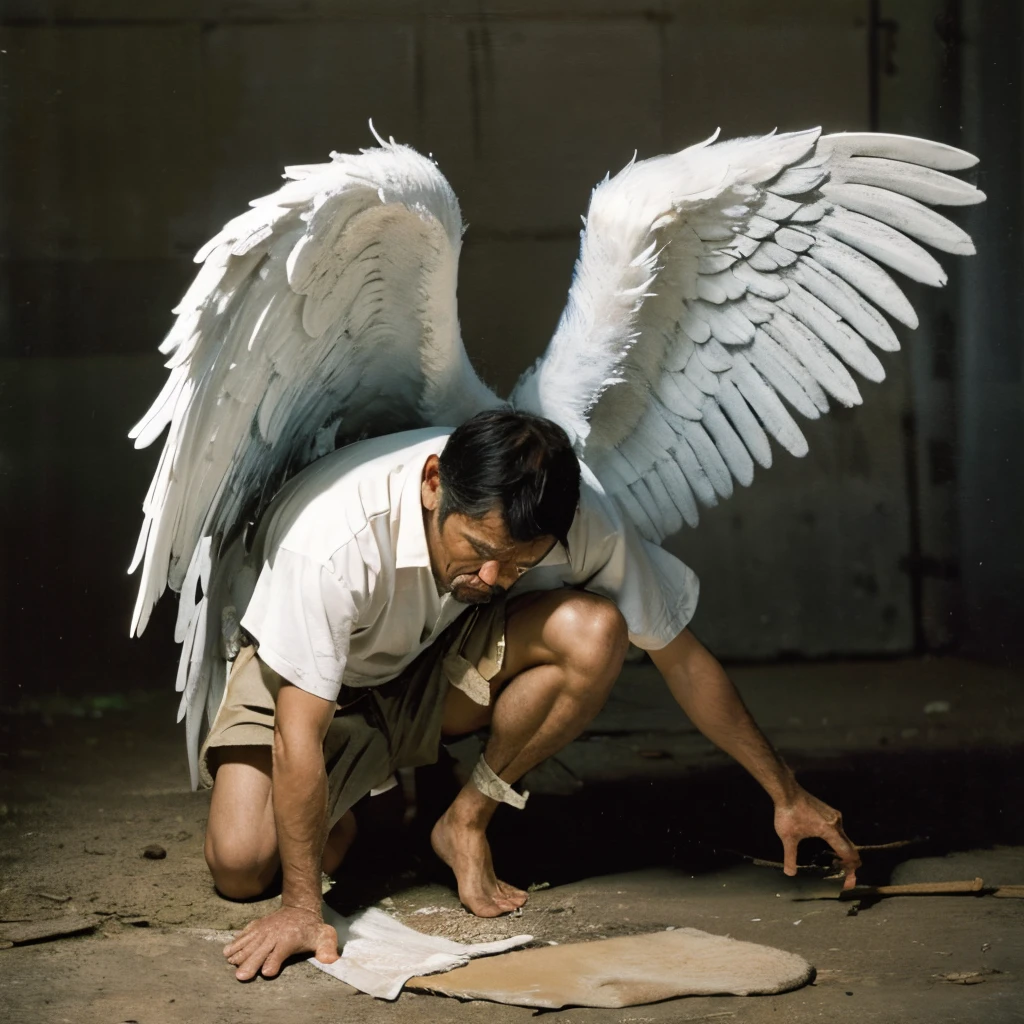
(721, 287)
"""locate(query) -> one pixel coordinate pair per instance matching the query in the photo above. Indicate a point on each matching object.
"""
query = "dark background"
(132, 130)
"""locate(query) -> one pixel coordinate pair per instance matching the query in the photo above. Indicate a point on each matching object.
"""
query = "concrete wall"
(959, 80)
(990, 357)
(131, 131)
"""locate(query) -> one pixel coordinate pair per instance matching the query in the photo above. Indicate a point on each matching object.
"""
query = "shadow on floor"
(704, 820)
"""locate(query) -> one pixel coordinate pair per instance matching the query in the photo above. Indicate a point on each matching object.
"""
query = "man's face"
(474, 559)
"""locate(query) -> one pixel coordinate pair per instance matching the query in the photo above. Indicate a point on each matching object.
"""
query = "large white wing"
(324, 313)
(714, 283)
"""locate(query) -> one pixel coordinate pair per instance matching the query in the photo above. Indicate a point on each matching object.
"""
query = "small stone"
(172, 915)
(964, 978)
(154, 852)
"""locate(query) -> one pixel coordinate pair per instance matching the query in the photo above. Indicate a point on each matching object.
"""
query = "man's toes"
(490, 909)
(515, 896)
(489, 905)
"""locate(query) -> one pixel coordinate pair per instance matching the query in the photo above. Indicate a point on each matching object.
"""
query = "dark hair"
(520, 464)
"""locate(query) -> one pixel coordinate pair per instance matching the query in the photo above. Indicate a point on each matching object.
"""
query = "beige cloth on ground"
(627, 971)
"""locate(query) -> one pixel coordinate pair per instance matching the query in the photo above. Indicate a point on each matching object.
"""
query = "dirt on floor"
(638, 828)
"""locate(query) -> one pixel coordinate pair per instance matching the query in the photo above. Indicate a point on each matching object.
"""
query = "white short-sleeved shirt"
(345, 591)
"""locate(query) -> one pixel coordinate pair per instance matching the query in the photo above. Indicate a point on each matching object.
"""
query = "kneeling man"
(379, 624)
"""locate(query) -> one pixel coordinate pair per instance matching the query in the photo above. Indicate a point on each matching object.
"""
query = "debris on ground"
(42, 931)
(967, 977)
(154, 852)
(870, 848)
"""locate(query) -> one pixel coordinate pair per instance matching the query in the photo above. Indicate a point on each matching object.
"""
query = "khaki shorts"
(376, 729)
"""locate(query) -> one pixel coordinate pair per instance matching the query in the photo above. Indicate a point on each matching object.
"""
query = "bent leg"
(241, 835)
(241, 838)
(563, 653)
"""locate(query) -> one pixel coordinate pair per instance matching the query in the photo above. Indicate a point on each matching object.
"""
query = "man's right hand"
(264, 945)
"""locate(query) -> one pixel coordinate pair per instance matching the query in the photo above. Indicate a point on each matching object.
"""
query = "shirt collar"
(411, 551)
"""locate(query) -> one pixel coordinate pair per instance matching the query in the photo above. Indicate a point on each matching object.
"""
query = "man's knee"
(239, 870)
(241, 841)
(591, 634)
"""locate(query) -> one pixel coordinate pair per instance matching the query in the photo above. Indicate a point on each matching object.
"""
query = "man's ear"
(430, 487)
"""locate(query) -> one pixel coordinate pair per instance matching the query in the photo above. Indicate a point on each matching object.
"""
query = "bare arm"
(709, 698)
(300, 813)
(300, 793)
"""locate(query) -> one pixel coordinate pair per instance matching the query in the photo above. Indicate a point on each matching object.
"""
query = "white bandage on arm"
(497, 789)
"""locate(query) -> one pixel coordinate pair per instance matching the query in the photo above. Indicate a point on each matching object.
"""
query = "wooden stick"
(914, 889)
(930, 888)
(1013, 892)
(760, 862)
(894, 846)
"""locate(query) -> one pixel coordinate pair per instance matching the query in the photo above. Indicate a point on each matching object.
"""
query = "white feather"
(331, 301)
(920, 183)
(714, 283)
(883, 243)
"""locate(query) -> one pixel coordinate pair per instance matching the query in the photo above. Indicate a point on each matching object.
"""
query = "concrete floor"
(638, 826)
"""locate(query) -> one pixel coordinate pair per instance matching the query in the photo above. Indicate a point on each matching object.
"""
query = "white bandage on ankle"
(497, 789)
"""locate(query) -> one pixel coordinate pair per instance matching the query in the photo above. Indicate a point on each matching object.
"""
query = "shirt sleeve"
(655, 592)
(302, 615)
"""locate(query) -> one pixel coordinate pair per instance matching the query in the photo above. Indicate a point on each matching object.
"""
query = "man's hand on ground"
(265, 944)
(803, 816)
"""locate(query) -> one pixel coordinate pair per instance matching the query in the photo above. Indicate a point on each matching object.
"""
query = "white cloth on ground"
(379, 954)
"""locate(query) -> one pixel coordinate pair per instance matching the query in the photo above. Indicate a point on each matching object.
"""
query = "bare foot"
(341, 837)
(464, 848)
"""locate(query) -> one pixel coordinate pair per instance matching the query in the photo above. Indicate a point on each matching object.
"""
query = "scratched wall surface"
(131, 131)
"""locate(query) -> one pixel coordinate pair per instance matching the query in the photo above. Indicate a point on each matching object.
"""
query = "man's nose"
(489, 572)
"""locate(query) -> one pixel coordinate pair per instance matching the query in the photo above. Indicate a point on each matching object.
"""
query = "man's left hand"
(803, 816)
